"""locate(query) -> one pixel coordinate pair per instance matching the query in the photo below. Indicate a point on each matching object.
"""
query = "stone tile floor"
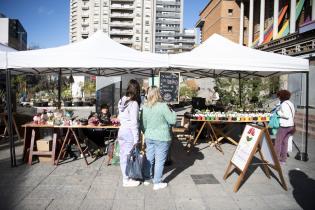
(76, 186)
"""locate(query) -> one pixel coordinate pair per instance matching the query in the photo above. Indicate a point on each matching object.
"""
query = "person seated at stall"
(104, 115)
(214, 102)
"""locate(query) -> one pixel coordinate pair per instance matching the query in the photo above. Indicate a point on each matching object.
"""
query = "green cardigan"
(156, 121)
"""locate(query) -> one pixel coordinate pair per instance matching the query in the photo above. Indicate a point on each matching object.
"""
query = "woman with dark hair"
(286, 113)
(128, 134)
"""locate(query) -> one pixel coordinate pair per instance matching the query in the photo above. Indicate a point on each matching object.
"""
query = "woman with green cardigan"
(156, 119)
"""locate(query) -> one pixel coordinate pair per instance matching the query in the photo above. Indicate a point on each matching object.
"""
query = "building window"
(230, 29)
(230, 12)
(137, 39)
(245, 29)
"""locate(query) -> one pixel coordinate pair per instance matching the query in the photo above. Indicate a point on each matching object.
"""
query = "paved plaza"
(195, 182)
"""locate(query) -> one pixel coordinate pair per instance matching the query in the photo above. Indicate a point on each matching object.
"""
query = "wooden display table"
(70, 132)
(218, 134)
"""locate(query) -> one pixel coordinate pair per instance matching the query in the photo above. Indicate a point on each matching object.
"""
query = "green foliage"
(89, 87)
(252, 91)
(187, 91)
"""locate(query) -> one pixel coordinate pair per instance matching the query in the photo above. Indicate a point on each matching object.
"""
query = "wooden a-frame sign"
(254, 139)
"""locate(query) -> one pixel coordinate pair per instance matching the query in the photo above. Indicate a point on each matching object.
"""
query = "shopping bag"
(116, 157)
(274, 121)
(135, 164)
(113, 153)
(290, 142)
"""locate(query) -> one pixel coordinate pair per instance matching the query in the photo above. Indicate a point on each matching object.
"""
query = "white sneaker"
(146, 182)
(130, 183)
(159, 186)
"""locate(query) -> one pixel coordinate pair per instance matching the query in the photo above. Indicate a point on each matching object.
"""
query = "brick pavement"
(76, 186)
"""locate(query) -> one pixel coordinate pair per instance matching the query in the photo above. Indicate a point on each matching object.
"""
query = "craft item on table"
(44, 116)
(36, 118)
(115, 121)
(68, 113)
(83, 121)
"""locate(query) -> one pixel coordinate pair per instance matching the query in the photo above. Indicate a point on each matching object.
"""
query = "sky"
(47, 21)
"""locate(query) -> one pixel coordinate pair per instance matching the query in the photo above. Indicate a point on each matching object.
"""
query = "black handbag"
(135, 164)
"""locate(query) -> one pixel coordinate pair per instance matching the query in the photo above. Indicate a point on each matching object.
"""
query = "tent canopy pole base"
(302, 156)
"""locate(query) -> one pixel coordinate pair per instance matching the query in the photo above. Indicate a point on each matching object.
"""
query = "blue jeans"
(156, 153)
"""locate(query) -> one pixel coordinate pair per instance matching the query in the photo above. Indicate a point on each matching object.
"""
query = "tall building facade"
(222, 17)
(129, 22)
(169, 24)
(281, 26)
(12, 33)
(185, 41)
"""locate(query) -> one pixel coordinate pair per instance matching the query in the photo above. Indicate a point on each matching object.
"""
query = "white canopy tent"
(97, 55)
(218, 56)
(3, 54)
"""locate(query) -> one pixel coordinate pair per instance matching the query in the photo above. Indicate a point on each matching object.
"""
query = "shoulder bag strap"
(291, 113)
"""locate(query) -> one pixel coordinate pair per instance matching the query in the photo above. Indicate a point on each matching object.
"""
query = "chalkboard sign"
(169, 86)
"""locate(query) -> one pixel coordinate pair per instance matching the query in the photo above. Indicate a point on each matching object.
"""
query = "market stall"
(101, 56)
(220, 57)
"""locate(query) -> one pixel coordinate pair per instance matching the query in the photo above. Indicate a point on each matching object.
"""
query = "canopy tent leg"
(152, 77)
(10, 118)
(239, 89)
(59, 88)
(304, 155)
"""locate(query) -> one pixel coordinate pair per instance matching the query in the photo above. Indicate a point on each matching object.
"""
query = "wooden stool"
(50, 153)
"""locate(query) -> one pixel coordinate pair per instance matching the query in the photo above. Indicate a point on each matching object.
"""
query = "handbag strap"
(291, 113)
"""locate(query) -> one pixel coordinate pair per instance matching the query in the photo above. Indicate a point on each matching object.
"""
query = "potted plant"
(67, 97)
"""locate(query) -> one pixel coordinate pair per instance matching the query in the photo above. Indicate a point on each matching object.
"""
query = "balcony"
(121, 32)
(84, 33)
(85, 7)
(175, 16)
(122, 15)
(123, 41)
(168, 9)
(85, 15)
(168, 21)
(122, 24)
(121, 7)
(85, 24)
(169, 41)
(167, 3)
(167, 28)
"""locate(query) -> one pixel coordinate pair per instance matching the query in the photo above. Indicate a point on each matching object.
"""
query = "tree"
(188, 89)
(254, 91)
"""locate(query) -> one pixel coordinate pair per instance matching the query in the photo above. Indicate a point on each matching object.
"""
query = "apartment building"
(169, 24)
(129, 22)
(12, 33)
(185, 41)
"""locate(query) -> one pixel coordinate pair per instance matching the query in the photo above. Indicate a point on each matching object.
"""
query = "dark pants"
(281, 143)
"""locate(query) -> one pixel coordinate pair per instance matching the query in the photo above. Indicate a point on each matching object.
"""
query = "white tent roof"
(99, 55)
(3, 50)
(220, 56)
(96, 55)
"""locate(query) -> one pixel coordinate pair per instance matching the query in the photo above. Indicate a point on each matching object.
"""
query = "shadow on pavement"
(181, 160)
(303, 189)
